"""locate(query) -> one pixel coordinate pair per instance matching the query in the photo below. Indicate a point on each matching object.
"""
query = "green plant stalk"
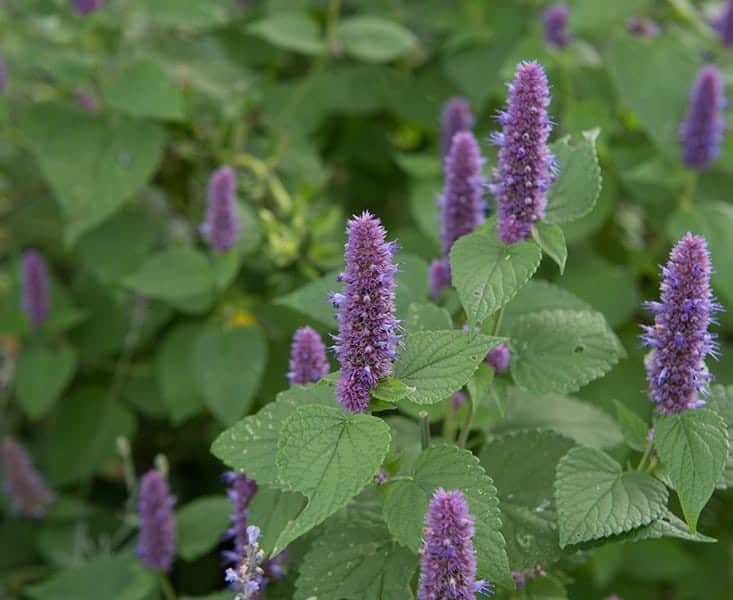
(424, 430)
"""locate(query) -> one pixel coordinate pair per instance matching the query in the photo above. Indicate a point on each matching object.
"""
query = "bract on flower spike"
(526, 167)
(455, 117)
(448, 563)
(308, 362)
(679, 338)
(366, 344)
(157, 544)
(26, 489)
(702, 130)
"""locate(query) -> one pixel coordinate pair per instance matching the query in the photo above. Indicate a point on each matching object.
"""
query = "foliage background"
(323, 114)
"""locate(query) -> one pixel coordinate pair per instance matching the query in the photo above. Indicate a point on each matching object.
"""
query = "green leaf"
(392, 390)
(122, 577)
(438, 363)
(93, 163)
(411, 282)
(715, 222)
(721, 400)
(531, 536)
(329, 456)
(143, 89)
(200, 525)
(271, 510)
(538, 452)
(176, 273)
(551, 239)
(639, 70)
(693, 445)
(250, 446)
(427, 317)
(451, 468)
(580, 421)
(184, 14)
(373, 39)
(228, 366)
(668, 525)
(312, 299)
(356, 561)
(575, 191)
(176, 376)
(561, 350)
(536, 296)
(596, 499)
(40, 377)
(83, 433)
(290, 30)
(634, 429)
(420, 166)
(487, 274)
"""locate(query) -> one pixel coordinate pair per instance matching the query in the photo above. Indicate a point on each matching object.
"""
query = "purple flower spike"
(702, 131)
(366, 345)
(555, 19)
(28, 492)
(439, 277)
(456, 117)
(526, 166)
(240, 492)
(725, 25)
(222, 225)
(462, 208)
(498, 358)
(308, 361)
(157, 545)
(84, 7)
(448, 564)
(36, 298)
(679, 338)
(3, 73)
(642, 27)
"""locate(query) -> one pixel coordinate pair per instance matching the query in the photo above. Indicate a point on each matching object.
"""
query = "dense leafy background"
(326, 108)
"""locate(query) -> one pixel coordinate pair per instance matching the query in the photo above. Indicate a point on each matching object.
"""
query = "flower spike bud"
(702, 130)
(36, 287)
(157, 545)
(456, 116)
(26, 489)
(308, 362)
(222, 225)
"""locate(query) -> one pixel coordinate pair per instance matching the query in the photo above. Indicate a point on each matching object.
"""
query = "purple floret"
(308, 362)
(448, 563)
(498, 358)
(84, 7)
(679, 338)
(702, 130)
(157, 544)
(222, 225)
(526, 166)
(28, 493)
(36, 298)
(725, 25)
(455, 117)
(366, 345)
(555, 19)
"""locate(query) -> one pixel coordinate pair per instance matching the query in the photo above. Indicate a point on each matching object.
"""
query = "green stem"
(166, 587)
(424, 430)
(463, 437)
(497, 323)
(646, 455)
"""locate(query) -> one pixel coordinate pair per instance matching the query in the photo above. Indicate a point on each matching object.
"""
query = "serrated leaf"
(439, 363)
(356, 561)
(250, 446)
(176, 273)
(143, 89)
(538, 452)
(41, 375)
(271, 510)
(93, 163)
(228, 365)
(693, 445)
(427, 317)
(561, 350)
(201, 524)
(551, 239)
(374, 39)
(575, 191)
(487, 274)
(531, 536)
(580, 421)
(451, 468)
(123, 577)
(391, 390)
(633, 428)
(329, 456)
(595, 498)
(536, 296)
(290, 30)
(312, 299)
(721, 400)
(668, 525)
(176, 377)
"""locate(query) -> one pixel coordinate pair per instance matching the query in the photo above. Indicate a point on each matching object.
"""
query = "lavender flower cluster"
(28, 493)
(308, 362)
(702, 130)
(157, 544)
